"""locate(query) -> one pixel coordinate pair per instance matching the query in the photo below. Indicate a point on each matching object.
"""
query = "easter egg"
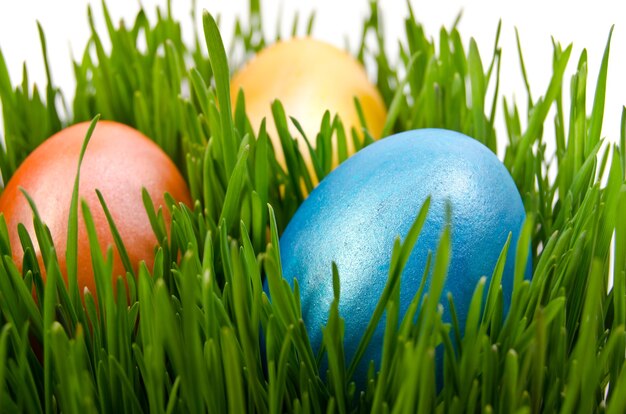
(308, 77)
(119, 161)
(356, 212)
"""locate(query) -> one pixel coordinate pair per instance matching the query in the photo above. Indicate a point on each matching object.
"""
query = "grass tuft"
(198, 332)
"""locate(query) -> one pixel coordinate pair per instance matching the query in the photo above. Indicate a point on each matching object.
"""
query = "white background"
(585, 23)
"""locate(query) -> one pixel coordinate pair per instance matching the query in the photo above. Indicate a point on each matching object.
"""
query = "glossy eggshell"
(119, 161)
(356, 212)
(309, 77)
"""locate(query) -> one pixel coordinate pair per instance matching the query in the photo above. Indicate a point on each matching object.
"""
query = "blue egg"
(356, 212)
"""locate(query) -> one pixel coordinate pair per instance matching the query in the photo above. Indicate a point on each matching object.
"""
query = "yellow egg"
(309, 77)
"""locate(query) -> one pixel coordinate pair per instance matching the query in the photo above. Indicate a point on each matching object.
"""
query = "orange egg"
(309, 77)
(119, 161)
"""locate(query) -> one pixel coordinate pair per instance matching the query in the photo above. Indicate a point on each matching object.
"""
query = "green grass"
(189, 339)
